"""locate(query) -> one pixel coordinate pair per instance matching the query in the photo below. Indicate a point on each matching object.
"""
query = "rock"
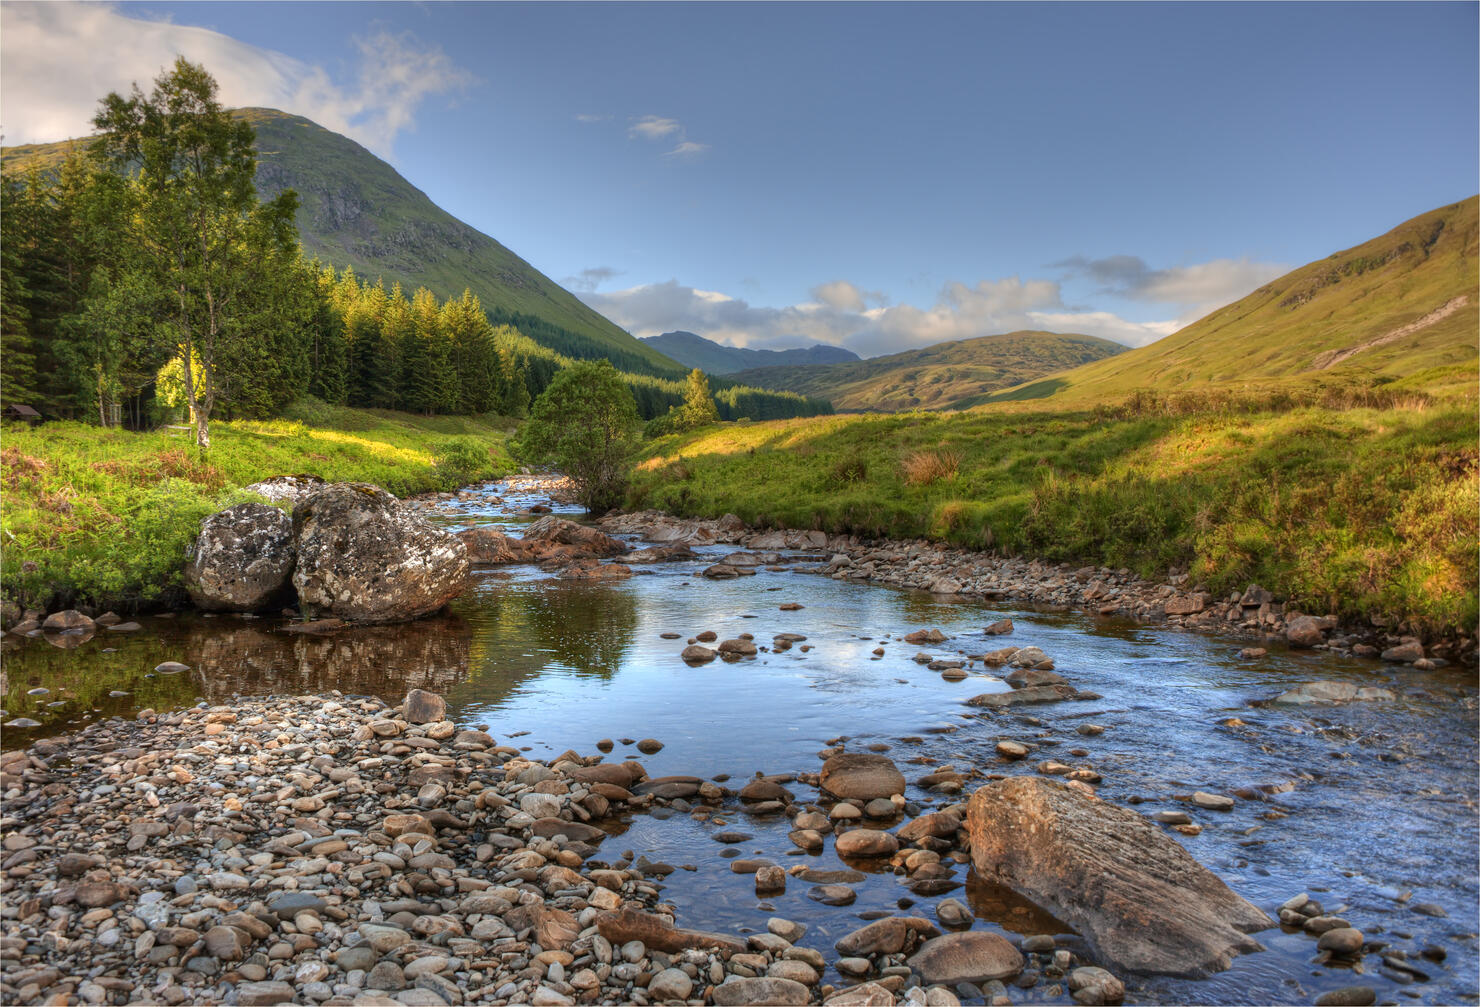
(1028, 677)
(1029, 694)
(890, 936)
(546, 537)
(291, 490)
(264, 994)
(787, 930)
(363, 557)
(1138, 898)
(1331, 692)
(971, 957)
(70, 619)
(737, 648)
(1095, 987)
(1306, 631)
(242, 560)
(770, 880)
(858, 776)
(866, 843)
(921, 636)
(737, 991)
(1405, 653)
(1012, 750)
(936, 825)
(1348, 996)
(628, 924)
(954, 913)
(660, 554)
(999, 628)
(227, 943)
(487, 547)
(1343, 942)
(591, 570)
(863, 995)
(1212, 802)
(832, 895)
(761, 789)
(95, 894)
(422, 707)
(383, 938)
(695, 654)
(649, 746)
(670, 984)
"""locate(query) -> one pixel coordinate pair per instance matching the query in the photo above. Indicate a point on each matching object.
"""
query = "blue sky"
(879, 176)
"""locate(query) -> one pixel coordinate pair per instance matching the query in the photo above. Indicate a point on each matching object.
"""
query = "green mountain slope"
(695, 351)
(356, 210)
(944, 376)
(1401, 307)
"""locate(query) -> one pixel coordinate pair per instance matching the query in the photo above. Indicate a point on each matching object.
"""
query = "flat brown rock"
(655, 932)
(1140, 900)
(1029, 694)
(858, 776)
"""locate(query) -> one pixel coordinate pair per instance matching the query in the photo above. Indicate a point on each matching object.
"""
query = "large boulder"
(362, 557)
(242, 561)
(555, 538)
(1138, 898)
(490, 547)
(859, 776)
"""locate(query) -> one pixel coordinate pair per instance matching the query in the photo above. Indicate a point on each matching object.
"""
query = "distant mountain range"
(1401, 307)
(356, 210)
(695, 351)
(953, 375)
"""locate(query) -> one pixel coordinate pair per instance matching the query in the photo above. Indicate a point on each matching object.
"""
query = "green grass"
(103, 516)
(1358, 511)
(954, 375)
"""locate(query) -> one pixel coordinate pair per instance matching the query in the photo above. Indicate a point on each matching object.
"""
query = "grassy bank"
(1337, 507)
(103, 516)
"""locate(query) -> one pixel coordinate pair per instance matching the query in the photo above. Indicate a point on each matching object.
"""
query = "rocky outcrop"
(1137, 897)
(242, 561)
(554, 537)
(292, 490)
(492, 548)
(362, 557)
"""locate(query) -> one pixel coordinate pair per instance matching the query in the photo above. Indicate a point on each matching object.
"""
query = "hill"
(356, 210)
(695, 351)
(952, 375)
(1401, 307)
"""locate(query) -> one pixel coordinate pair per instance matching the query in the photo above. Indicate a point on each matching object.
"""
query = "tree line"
(143, 274)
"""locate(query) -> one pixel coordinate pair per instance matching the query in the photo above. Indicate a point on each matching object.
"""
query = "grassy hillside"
(1363, 512)
(103, 516)
(695, 351)
(1399, 308)
(953, 375)
(356, 210)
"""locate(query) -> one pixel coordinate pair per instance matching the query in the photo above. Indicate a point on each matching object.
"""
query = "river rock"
(264, 994)
(242, 560)
(890, 936)
(737, 991)
(488, 547)
(1212, 802)
(971, 957)
(1095, 987)
(422, 707)
(1306, 631)
(654, 932)
(1028, 694)
(1348, 996)
(999, 628)
(737, 648)
(68, 619)
(1343, 942)
(860, 776)
(1138, 898)
(1027, 677)
(591, 570)
(870, 994)
(1406, 652)
(363, 557)
(696, 654)
(925, 636)
(1331, 692)
(866, 843)
(936, 825)
(557, 538)
(670, 984)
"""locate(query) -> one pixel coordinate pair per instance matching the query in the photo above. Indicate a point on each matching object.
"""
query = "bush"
(459, 461)
(922, 468)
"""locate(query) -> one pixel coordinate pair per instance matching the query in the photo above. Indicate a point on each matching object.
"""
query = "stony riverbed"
(1366, 808)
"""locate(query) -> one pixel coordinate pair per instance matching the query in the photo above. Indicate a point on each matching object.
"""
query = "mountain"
(1402, 306)
(356, 210)
(953, 375)
(696, 351)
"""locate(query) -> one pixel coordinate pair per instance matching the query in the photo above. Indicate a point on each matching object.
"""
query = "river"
(1372, 810)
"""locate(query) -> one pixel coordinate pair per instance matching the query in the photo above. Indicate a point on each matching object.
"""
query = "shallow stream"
(1373, 810)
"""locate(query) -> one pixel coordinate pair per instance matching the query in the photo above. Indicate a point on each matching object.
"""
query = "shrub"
(921, 468)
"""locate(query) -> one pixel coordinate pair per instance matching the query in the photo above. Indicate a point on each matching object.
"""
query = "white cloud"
(1206, 285)
(687, 149)
(60, 59)
(840, 316)
(653, 127)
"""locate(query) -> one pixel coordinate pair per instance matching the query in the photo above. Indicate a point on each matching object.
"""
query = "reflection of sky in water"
(1383, 800)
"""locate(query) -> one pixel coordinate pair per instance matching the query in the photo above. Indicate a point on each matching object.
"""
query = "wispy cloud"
(652, 127)
(687, 149)
(591, 117)
(59, 59)
(588, 280)
(1206, 285)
